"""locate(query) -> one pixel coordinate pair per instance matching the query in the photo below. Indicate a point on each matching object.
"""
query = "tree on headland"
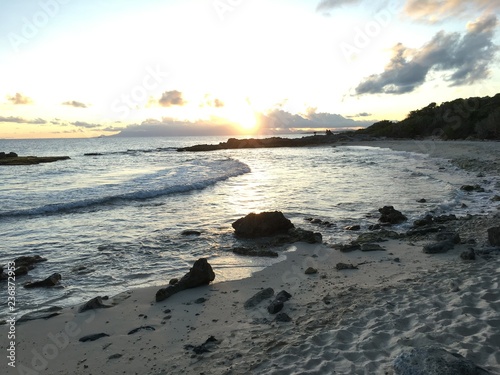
(459, 119)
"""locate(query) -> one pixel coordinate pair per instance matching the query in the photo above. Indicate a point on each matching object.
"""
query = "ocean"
(113, 220)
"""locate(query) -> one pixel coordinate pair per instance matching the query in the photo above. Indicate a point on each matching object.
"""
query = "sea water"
(113, 220)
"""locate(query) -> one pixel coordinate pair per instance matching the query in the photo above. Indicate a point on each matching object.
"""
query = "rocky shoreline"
(388, 302)
(13, 159)
(273, 142)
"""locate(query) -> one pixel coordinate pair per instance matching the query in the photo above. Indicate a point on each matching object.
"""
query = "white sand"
(372, 314)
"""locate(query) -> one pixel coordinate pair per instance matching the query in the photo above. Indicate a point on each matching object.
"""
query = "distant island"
(13, 159)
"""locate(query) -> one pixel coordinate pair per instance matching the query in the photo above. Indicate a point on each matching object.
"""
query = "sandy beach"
(342, 321)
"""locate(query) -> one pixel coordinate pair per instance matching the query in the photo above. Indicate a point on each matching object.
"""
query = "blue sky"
(75, 68)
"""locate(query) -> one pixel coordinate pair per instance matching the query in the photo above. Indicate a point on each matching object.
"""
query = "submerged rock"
(245, 251)
(200, 274)
(391, 215)
(48, 282)
(494, 236)
(434, 361)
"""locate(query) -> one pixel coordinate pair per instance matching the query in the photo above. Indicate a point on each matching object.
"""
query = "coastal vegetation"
(472, 118)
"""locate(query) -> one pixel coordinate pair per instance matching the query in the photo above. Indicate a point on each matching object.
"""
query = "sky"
(86, 68)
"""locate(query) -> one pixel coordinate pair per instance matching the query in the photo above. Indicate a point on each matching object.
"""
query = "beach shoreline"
(351, 321)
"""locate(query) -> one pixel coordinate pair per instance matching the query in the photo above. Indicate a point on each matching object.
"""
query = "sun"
(244, 118)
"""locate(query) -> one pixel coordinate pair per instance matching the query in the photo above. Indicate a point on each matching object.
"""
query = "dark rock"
(494, 236)
(258, 298)
(115, 356)
(316, 221)
(48, 282)
(448, 236)
(20, 271)
(470, 188)
(173, 281)
(378, 236)
(444, 218)
(190, 232)
(277, 304)
(200, 300)
(94, 303)
(311, 271)
(427, 220)
(283, 318)
(95, 336)
(41, 314)
(439, 247)
(28, 261)
(200, 274)
(353, 227)
(390, 215)
(245, 251)
(468, 254)
(423, 200)
(345, 266)
(434, 361)
(374, 227)
(275, 307)
(424, 231)
(142, 328)
(346, 248)
(210, 343)
(302, 235)
(496, 198)
(283, 296)
(92, 154)
(264, 224)
(371, 247)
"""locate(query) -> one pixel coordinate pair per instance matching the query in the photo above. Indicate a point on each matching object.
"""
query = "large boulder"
(434, 361)
(200, 274)
(264, 224)
(391, 215)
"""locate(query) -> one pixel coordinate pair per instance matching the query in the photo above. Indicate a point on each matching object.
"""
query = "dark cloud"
(19, 99)
(86, 125)
(311, 120)
(326, 5)
(20, 120)
(466, 58)
(361, 114)
(171, 98)
(75, 104)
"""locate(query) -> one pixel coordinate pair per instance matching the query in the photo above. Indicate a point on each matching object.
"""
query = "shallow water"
(114, 221)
